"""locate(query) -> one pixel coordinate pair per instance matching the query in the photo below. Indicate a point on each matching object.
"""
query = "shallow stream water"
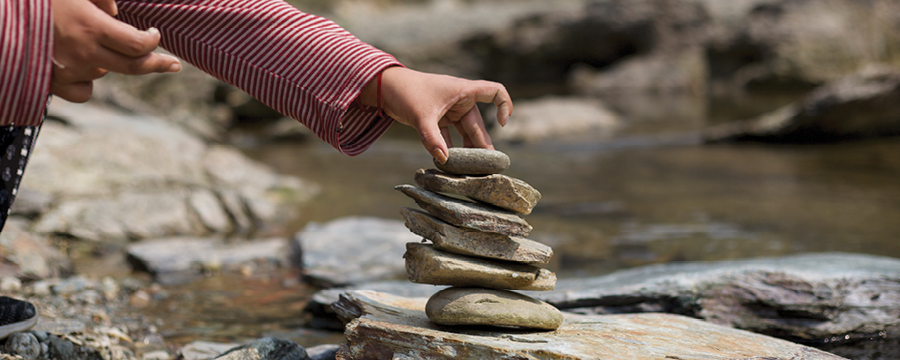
(609, 205)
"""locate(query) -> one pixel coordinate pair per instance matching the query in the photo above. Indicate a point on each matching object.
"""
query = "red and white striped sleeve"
(301, 65)
(26, 43)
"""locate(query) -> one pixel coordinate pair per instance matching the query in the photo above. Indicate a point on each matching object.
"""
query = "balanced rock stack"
(478, 247)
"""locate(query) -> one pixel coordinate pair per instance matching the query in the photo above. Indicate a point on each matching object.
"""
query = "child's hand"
(431, 103)
(88, 42)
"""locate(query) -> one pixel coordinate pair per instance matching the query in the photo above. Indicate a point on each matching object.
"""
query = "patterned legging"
(16, 143)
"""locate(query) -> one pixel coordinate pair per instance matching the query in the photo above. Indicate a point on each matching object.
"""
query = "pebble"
(10, 284)
(474, 161)
(474, 306)
(139, 299)
(24, 344)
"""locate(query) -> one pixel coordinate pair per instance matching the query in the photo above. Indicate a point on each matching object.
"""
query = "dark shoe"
(15, 316)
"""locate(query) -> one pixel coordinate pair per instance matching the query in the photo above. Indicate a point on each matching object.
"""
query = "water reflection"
(615, 206)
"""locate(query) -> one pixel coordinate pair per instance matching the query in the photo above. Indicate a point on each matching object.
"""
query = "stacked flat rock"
(478, 246)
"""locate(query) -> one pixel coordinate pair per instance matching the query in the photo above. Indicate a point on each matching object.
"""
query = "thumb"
(433, 140)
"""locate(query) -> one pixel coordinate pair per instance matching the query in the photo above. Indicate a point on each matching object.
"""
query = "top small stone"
(474, 161)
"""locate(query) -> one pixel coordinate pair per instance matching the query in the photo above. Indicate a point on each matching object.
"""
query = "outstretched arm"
(432, 103)
(310, 69)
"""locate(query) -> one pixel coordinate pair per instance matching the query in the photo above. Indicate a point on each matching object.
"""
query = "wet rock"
(811, 297)
(385, 326)
(351, 250)
(863, 105)
(323, 316)
(266, 349)
(61, 349)
(463, 241)
(176, 259)
(498, 190)
(554, 117)
(473, 306)
(467, 214)
(425, 265)
(24, 344)
(474, 161)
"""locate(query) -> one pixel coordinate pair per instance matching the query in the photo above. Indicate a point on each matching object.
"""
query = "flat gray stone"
(352, 250)
(816, 297)
(394, 327)
(495, 189)
(463, 241)
(426, 265)
(474, 161)
(467, 214)
(476, 306)
(173, 260)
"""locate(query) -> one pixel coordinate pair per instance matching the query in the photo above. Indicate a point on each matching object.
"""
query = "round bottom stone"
(457, 306)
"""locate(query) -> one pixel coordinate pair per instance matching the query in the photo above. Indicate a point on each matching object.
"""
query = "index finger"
(126, 39)
(491, 92)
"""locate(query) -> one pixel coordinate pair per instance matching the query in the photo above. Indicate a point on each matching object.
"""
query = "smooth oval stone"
(474, 161)
(475, 306)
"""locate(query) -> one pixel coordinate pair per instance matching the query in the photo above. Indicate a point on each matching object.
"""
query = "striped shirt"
(301, 65)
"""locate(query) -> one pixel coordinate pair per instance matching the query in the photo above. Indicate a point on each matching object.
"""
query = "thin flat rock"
(495, 189)
(426, 265)
(459, 306)
(382, 326)
(474, 161)
(467, 214)
(463, 241)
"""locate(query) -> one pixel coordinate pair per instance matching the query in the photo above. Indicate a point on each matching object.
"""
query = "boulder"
(425, 265)
(467, 214)
(351, 250)
(473, 161)
(866, 104)
(383, 327)
(109, 175)
(811, 297)
(462, 241)
(457, 306)
(796, 45)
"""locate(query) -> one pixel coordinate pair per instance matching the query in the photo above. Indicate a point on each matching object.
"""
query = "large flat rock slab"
(815, 297)
(386, 327)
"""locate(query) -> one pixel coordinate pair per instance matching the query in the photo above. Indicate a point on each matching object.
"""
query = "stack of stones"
(478, 247)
